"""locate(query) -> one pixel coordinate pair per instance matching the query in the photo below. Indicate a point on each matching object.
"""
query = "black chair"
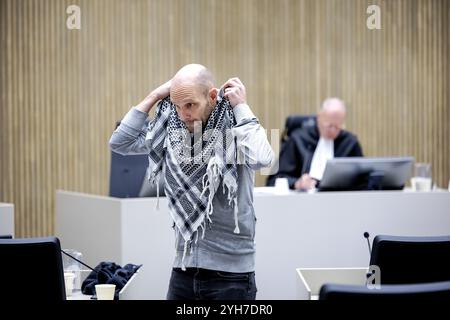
(297, 121)
(150, 189)
(33, 266)
(408, 260)
(127, 177)
(293, 123)
(415, 292)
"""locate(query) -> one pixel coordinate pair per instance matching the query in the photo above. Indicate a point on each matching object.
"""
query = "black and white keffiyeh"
(194, 165)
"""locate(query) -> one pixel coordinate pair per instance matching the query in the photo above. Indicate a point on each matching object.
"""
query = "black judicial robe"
(297, 152)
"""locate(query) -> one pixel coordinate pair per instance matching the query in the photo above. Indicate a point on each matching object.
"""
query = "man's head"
(193, 93)
(331, 118)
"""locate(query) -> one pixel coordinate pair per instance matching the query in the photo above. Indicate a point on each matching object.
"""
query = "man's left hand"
(305, 182)
(235, 91)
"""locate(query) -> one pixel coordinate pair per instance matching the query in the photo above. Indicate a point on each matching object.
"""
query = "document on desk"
(271, 191)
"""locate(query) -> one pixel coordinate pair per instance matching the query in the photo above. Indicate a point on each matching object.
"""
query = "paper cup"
(105, 291)
(68, 282)
(282, 186)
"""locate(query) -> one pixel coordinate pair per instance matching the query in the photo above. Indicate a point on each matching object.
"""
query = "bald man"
(303, 158)
(215, 249)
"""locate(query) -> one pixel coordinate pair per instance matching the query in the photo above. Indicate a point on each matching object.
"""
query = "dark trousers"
(203, 284)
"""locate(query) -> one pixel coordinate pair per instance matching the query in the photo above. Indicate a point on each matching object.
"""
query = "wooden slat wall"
(62, 90)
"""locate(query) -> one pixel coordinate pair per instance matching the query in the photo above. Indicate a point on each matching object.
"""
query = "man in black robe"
(304, 155)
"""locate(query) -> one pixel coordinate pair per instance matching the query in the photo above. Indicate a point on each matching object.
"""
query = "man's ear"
(213, 94)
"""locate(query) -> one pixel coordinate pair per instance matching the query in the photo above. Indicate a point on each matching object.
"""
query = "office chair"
(419, 292)
(128, 177)
(127, 174)
(149, 189)
(31, 266)
(297, 121)
(293, 123)
(407, 260)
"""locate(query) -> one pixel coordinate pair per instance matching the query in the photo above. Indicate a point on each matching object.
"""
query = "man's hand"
(159, 93)
(235, 91)
(305, 182)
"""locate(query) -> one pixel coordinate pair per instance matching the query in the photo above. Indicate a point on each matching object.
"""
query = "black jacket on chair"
(109, 273)
(297, 152)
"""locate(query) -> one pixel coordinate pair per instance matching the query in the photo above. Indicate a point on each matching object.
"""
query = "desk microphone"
(367, 235)
(84, 264)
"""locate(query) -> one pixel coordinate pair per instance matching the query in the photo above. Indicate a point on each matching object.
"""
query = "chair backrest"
(33, 267)
(406, 260)
(435, 291)
(293, 122)
(127, 175)
(297, 121)
(149, 189)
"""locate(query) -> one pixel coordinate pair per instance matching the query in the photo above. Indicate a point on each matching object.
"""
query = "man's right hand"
(159, 93)
(305, 182)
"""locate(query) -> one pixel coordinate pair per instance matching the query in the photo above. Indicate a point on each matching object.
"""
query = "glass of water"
(421, 180)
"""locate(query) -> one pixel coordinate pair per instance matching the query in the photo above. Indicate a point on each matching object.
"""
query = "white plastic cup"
(71, 265)
(420, 184)
(68, 282)
(421, 181)
(105, 291)
(282, 185)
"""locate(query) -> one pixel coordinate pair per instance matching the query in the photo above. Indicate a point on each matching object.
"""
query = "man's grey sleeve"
(129, 137)
(251, 139)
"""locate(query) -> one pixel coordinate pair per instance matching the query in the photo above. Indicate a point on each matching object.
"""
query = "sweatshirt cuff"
(135, 119)
(242, 111)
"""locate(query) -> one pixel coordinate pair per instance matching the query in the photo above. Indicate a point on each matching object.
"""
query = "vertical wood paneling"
(4, 160)
(62, 90)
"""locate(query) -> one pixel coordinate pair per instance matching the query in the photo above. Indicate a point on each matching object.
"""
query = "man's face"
(330, 123)
(193, 104)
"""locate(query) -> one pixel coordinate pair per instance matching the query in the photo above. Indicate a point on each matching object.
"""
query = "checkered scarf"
(194, 165)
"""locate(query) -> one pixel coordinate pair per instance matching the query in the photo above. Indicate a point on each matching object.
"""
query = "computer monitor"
(32, 265)
(405, 260)
(356, 173)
